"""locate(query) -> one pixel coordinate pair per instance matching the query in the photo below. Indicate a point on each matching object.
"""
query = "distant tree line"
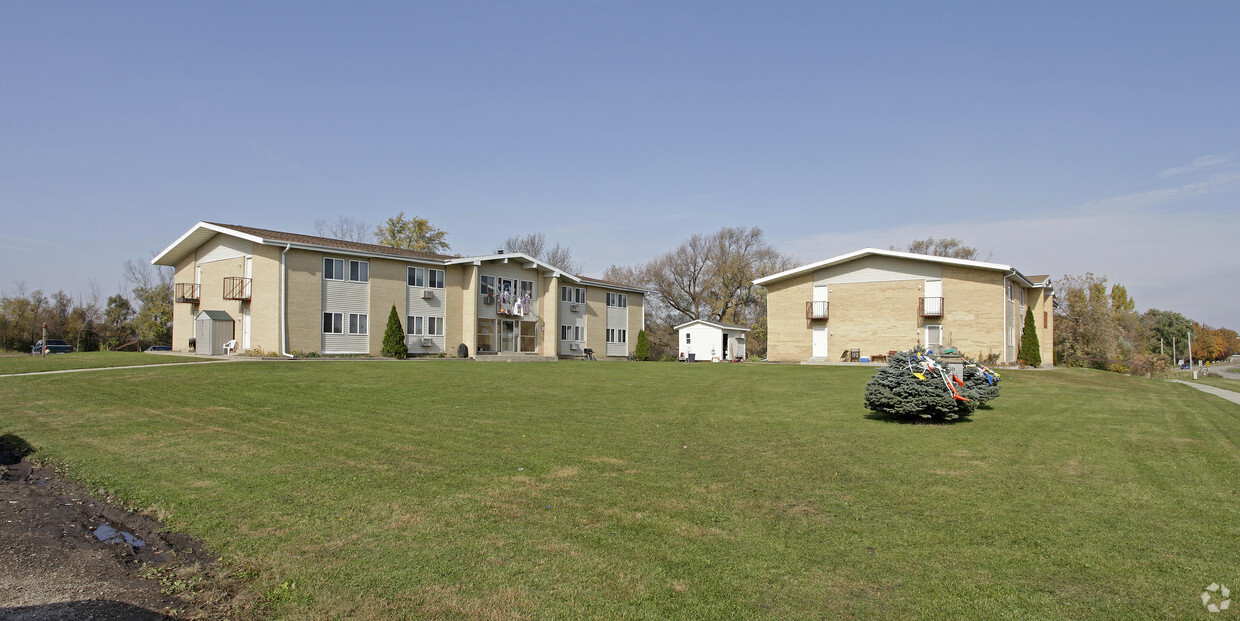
(139, 316)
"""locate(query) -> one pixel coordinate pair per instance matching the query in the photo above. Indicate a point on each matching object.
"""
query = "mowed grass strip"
(21, 363)
(654, 491)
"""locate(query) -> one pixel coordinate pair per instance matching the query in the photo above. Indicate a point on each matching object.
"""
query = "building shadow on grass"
(13, 449)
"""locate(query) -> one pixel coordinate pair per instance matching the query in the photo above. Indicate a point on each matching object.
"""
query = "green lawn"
(85, 360)
(661, 491)
(1219, 382)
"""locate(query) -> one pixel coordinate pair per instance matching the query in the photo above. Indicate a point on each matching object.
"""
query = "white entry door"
(821, 350)
(245, 330)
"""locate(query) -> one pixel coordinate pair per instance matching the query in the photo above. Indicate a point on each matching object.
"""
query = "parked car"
(159, 348)
(54, 346)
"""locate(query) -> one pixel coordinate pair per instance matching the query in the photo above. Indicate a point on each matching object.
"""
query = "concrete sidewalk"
(1229, 395)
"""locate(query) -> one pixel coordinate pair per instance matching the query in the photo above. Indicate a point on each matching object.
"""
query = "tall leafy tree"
(411, 234)
(1085, 320)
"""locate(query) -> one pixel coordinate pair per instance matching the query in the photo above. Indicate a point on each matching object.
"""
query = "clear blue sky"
(1060, 138)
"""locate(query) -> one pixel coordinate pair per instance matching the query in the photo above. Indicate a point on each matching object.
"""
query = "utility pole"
(43, 350)
(1190, 351)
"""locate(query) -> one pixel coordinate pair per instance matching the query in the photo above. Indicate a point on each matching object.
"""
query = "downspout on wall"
(1006, 304)
(284, 303)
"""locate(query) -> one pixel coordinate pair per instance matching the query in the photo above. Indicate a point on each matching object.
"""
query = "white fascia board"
(354, 253)
(844, 258)
(509, 256)
(184, 244)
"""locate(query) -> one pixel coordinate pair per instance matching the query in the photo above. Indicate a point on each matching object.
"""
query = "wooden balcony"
(815, 310)
(930, 307)
(236, 288)
(186, 292)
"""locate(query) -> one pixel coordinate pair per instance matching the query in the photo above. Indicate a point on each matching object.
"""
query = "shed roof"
(215, 315)
(716, 324)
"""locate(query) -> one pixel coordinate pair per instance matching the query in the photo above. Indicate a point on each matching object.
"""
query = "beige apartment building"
(280, 293)
(869, 303)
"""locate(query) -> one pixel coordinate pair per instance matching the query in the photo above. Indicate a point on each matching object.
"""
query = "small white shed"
(702, 340)
(212, 329)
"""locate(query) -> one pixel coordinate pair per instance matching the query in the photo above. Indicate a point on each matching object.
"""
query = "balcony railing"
(815, 310)
(186, 292)
(930, 307)
(236, 288)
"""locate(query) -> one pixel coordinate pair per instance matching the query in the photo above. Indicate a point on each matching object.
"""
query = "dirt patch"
(54, 566)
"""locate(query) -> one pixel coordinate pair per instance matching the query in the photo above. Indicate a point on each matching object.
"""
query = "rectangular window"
(417, 277)
(333, 323)
(359, 271)
(611, 335)
(413, 325)
(526, 334)
(934, 336)
(581, 295)
(357, 323)
(434, 326)
(505, 285)
(577, 333)
(486, 335)
(566, 333)
(624, 301)
(436, 279)
(566, 294)
(688, 338)
(486, 285)
(622, 336)
(611, 299)
(526, 288)
(333, 269)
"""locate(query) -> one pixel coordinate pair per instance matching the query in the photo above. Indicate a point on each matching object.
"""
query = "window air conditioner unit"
(573, 347)
(428, 342)
(574, 307)
(427, 294)
(489, 299)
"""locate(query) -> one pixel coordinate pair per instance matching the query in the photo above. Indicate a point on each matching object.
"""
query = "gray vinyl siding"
(569, 317)
(618, 319)
(416, 306)
(347, 297)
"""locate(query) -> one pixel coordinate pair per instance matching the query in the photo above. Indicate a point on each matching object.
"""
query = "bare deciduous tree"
(535, 245)
(947, 247)
(345, 228)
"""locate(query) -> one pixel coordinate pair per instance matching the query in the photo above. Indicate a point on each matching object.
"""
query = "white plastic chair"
(230, 347)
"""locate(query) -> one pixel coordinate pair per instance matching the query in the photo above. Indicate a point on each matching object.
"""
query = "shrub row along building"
(281, 292)
(869, 303)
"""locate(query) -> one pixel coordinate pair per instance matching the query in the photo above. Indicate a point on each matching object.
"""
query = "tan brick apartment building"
(285, 292)
(877, 301)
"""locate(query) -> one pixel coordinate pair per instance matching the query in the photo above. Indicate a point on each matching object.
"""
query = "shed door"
(821, 350)
(245, 330)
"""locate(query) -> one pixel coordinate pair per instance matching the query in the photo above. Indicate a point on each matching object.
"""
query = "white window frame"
(486, 284)
(435, 278)
(581, 294)
(525, 287)
(566, 294)
(434, 325)
(358, 323)
(566, 331)
(333, 269)
(623, 335)
(359, 271)
(938, 330)
(611, 300)
(413, 324)
(611, 335)
(577, 335)
(337, 323)
(416, 276)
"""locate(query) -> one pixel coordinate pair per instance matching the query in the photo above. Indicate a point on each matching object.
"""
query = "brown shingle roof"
(312, 240)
